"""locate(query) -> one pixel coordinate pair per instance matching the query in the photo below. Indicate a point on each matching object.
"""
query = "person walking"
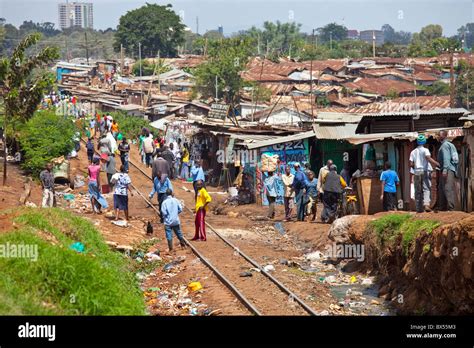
(312, 195)
(322, 173)
(421, 168)
(114, 128)
(185, 162)
(124, 148)
(121, 182)
(202, 201)
(271, 193)
(448, 162)
(97, 200)
(289, 193)
(160, 165)
(198, 175)
(161, 183)
(390, 181)
(333, 184)
(170, 210)
(299, 185)
(148, 149)
(47, 184)
(168, 155)
(176, 151)
(92, 127)
(90, 150)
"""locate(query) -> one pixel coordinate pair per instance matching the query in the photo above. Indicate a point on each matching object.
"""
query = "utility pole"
(451, 78)
(373, 43)
(330, 39)
(87, 47)
(121, 60)
(197, 25)
(140, 64)
(67, 47)
(216, 89)
(311, 83)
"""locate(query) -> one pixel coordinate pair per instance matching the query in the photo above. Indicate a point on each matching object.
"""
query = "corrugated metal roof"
(440, 111)
(335, 132)
(280, 140)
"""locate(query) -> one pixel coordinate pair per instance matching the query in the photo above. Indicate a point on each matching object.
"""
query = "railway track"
(286, 301)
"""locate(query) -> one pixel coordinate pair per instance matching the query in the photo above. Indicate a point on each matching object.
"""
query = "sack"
(269, 163)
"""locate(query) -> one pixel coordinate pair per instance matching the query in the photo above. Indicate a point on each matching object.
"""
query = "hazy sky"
(234, 15)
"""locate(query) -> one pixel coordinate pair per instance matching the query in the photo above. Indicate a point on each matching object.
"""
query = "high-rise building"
(220, 29)
(76, 14)
(370, 35)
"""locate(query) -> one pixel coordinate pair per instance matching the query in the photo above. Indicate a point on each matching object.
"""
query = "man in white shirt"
(421, 167)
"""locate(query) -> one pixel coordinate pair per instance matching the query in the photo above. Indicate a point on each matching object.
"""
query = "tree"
(22, 89)
(156, 27)
(438, 88)
(388, 33)
(465, 85)
(213, 35)
(226, 60)
(466, 32)
(332, 31)
(45, 136)
(149, 68)
(395, 37)
(431, 32)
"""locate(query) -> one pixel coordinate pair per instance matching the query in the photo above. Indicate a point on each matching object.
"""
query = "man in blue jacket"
(170, 210)
(161, 184)
(299, 185)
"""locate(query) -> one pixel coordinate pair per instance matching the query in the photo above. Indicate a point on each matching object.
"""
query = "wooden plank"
(369, 194)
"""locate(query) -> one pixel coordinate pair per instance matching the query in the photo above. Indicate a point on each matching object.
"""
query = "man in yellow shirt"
(202, 201)
(333, 185)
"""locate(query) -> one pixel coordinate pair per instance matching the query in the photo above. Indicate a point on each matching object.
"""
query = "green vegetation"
(426, 248)
(411, 228)
(130, 126)
(390, 227)
(44, 137)
(63, 281)
(157, 28)
(226, 60)
(149, 68)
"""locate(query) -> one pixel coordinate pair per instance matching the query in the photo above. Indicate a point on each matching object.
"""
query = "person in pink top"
(97, 200)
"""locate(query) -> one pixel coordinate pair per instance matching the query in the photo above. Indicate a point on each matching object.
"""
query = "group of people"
(303, 190)
(422, 166)
(175, 153)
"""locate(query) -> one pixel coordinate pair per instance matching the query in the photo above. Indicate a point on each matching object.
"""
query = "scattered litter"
(140, 275)
(111, 244)
(69, 197)
(367, 281)
(279, 227)
(153, 256)
(246, 274)
(186, 189)
(31, 205)
(77, 246)
(194, 286)
(78, 181)
(353, 279)
(124, 248)
(356, 304)
(323, 313)
(283, 262)
(316, 255)
(330, 279)
(255, 270)
(121, 223)
(269, 268)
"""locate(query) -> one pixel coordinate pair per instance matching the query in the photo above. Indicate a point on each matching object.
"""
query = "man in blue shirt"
(198, 174)
(170, 210)
(271, 193)
(390, 181)
(299, 185)
(312, 195)
(448, 159)
(161, 184)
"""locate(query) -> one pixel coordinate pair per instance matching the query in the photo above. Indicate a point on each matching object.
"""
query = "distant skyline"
(235, 15)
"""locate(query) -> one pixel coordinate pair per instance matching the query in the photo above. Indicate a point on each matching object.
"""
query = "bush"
(388, 226)
(44, 137)
(130, 126)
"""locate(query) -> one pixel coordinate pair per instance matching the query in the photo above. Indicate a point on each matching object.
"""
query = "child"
(312, 195)
(170, 209)
(90, 150)
(271, 193)
(390, 181)
(202, 200)
(121, 181)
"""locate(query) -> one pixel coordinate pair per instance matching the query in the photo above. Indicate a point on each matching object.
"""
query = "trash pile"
(178, 300)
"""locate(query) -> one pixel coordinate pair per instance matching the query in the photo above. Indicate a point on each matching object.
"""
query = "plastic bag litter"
(121, 223)
(269, 268)
(194, 286)
(77, 246)
(152, 257)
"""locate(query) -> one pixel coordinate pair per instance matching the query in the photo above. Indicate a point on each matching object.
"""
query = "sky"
(235, 15)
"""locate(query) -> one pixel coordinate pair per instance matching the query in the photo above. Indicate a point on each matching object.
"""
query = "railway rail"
(227, 282)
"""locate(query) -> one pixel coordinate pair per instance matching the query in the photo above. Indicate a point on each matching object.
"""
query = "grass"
(390, 227)
(63, 281)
